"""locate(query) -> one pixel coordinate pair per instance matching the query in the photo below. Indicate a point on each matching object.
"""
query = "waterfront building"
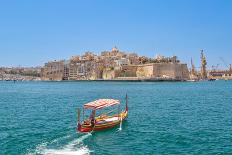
(174, 71)
(66, 70)
(53, 70)
(227, 75)
(114, 64)
(73, 70)
(221, 74)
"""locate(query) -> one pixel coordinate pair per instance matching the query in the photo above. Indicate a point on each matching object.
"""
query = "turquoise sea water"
(164, 118)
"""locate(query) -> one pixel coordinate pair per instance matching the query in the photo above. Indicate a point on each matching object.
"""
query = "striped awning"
(101, 103)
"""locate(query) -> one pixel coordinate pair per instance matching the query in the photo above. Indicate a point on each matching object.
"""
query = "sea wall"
(161, 70)
(154, 70)
(171, 70)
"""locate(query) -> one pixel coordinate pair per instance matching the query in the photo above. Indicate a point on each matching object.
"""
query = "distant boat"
(103, 121)
(191, 80)
(212, 79)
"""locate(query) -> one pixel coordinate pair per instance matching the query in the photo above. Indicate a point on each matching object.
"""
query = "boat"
(102, 121)
(193, 80)
(211, 79)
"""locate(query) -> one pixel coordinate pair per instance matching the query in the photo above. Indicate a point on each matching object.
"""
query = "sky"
(34, 32)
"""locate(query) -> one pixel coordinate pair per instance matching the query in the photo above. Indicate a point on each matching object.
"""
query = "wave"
(66, 151)
(75, 147)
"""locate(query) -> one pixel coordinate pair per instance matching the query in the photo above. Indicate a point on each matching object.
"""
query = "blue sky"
(34, 32)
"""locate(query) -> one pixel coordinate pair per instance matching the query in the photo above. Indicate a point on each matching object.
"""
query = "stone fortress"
(116, 65)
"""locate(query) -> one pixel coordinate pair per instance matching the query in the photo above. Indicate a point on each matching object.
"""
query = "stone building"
(221, 74)
(115, 64)
(73, 69)
(175, 71)
(66, 70)
(53, 70)
(133, 58)
(110, 74)
(122, 62)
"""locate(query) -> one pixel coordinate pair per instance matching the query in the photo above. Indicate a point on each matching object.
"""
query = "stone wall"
(163, 70)
(145, 71)
(177, 71)
(56, 76)
(171, 70)
(53, 71)
(110, 74)
(128, 71)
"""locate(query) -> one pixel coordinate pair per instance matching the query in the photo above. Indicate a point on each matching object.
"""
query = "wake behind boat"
(102, 121)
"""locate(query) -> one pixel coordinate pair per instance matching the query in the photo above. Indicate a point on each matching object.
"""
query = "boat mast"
(193, 68)
(118, 111)
(83, 114)
(78, 115)
(126, 102)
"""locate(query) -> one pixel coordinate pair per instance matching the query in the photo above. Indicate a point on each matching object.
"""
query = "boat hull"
(102, 125)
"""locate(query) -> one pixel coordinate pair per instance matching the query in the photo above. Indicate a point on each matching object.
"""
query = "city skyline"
(33, 33)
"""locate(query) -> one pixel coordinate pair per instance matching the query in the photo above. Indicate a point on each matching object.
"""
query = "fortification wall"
(53, 76)
(163, 70)
(128, 71)
(110, 74)
(145, 71)
(171, 70)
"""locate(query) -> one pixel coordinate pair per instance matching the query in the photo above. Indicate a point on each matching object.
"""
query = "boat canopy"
(101, 103)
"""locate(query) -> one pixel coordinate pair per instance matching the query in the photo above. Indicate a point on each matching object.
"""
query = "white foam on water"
(38, 149)
(60, 138)
(67, 151)
(120, 126)
(79, 140)
(74, 147)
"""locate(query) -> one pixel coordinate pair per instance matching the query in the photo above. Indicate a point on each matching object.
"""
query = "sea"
(39, 118)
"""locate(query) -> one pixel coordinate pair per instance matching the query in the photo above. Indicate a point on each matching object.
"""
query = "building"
(122, 62)
(221, 75)
(174, 71)
(53, 70)
(227, 75)
(115, 64)
(73, 70)
(66, 70)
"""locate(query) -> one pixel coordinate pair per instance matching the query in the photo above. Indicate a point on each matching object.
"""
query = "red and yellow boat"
(102, 121)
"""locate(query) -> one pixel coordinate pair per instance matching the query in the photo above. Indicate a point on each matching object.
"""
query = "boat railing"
(111, 111)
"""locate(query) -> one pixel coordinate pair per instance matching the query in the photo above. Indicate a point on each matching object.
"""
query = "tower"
(203, 66)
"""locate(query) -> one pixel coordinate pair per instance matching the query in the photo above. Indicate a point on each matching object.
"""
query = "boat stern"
(81, 128)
